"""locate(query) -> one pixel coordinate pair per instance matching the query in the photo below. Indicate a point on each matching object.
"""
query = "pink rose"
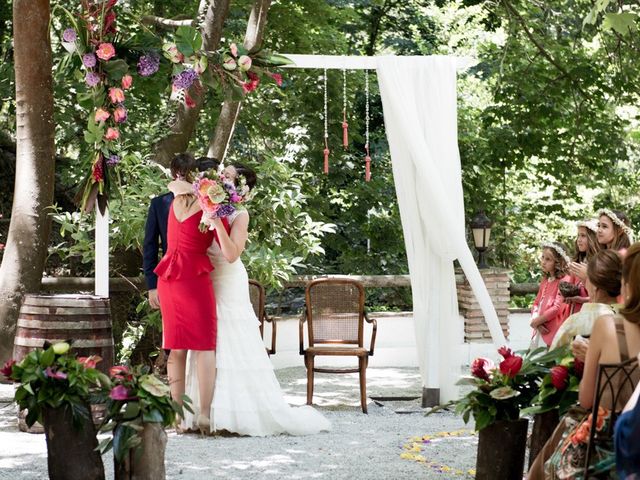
(126, 82)
(559, 376)
(120, 114)
(105, 51)
(112, 134)
(244, 62)
(116, 95)
(481, 367)
(102, 115)
(510, 366)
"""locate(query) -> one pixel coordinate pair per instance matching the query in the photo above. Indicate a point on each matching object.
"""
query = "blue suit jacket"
(155, 236)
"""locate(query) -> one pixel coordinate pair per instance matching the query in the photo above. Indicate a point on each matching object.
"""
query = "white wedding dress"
(247, 397)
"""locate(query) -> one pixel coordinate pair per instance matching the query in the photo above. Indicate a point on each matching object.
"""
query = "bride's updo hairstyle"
(182, 166)
(248, 173)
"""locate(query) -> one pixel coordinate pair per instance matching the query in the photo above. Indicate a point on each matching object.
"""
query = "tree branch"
(221, 138)
(541, 48)
(167, 23)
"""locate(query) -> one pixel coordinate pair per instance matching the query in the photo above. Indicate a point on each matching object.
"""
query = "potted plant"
(55, 387)
(139, 407)
(498, 395)
(557, 393)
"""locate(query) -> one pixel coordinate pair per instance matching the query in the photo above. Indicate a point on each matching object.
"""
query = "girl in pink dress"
(549, 310)
(587, 246)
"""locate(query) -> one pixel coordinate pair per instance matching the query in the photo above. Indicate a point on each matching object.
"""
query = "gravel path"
(358, 447)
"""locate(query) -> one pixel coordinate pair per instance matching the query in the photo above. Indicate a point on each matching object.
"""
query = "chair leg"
(309, 364)
(363, 383)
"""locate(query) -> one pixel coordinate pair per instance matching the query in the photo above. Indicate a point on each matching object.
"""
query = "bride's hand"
(217, 223)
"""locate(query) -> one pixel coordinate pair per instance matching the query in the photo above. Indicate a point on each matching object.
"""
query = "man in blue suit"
(155, 235)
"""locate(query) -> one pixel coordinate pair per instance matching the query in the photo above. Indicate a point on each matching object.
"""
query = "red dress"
(187, 300)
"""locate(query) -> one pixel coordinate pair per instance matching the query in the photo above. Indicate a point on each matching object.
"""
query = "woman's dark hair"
(182, 166)
(207, 163)
(605, 271)
(248, 173)
(631, 276)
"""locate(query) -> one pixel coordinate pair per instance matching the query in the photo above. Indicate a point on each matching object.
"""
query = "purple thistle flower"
(69, 35)
(185, 78)
(148, 64)
(92, 79)
(225, 210)
(89, 60)
(113, 160)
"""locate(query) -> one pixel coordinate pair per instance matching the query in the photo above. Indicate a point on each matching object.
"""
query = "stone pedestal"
(475, 328)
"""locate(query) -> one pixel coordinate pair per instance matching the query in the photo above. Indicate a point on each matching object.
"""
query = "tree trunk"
(149, 463)
(221, 138)
(26, 249)
(71, 452)
(214, 12)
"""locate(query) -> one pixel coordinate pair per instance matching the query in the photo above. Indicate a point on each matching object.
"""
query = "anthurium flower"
(120, 392)
(505, 352)
(60, 348)
(154, 386)
(7, 368)
(229, 64)
(503, 393)
(120, 114)
(119, 371)
(172, 53)
(244, 62)
(126, 81)
(102, 115)
(510, 366)
(559, 376)
(116, 95)
(234, 49)
(213, 190)
(112, 134)
(105, 51)
(90, 362)
(49, 372)
(481, 368)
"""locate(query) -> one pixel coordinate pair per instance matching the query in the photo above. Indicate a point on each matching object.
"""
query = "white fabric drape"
(419, 104)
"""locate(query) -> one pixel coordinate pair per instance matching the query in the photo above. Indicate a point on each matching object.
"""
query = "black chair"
(257, 295)
(617, 381)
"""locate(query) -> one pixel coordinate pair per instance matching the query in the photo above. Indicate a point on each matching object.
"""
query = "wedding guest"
(187, 299)
(614, 230)
(627, 433)
(549, 310)
(604, 274)
(586, 245)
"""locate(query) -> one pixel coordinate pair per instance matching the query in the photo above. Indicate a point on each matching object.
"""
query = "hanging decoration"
(367, 158)
(345, 125)
(326, 127)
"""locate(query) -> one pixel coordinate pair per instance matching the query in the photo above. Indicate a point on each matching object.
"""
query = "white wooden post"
(102, 253)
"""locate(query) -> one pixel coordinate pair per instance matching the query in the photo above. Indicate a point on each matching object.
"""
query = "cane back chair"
(335, 315)
(257, 295)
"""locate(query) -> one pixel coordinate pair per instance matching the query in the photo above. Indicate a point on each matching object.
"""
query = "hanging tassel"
(345, 131)
(326, 158)
(367, 168)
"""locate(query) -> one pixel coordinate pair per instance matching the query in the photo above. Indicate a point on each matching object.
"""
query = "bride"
(247, 396)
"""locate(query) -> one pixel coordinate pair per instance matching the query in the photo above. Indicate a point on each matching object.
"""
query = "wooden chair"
(257, 295)
(617, 381)
(335, 315)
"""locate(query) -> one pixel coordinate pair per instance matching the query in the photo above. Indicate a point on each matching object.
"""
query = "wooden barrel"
(84, 319)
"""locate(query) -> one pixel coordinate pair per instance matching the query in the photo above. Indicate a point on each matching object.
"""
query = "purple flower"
(92, 79)
(49, 372)
(120, 392)
(185, 78)
(113, 160)
(89, 60)
(69, 35)
(225, 210)
(148, 64)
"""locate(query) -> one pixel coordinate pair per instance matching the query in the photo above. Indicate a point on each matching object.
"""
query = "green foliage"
(52, 378)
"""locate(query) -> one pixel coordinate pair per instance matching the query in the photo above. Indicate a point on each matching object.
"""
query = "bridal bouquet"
(219, 197)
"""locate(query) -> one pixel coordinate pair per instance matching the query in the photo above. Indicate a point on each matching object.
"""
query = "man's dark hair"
(207, 163)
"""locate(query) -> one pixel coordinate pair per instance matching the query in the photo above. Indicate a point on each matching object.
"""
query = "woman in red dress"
(187, 300)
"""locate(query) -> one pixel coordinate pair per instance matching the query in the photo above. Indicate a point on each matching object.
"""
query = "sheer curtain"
(419, 104)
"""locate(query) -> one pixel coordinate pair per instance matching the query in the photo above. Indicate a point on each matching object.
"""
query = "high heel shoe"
(204, 424)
